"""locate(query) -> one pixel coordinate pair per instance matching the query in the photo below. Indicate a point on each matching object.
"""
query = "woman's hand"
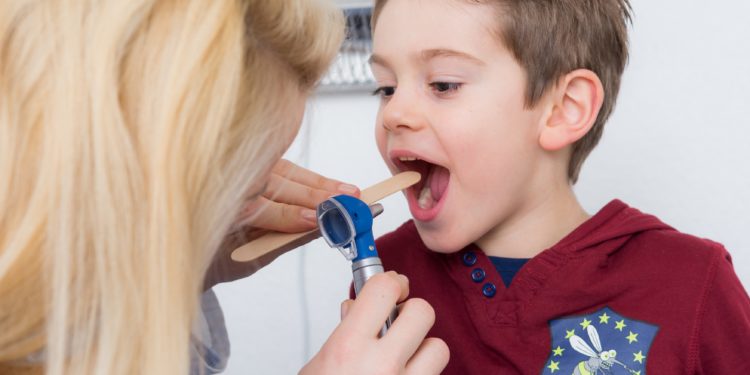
(355, 348)
(286, 204)
(288, 201)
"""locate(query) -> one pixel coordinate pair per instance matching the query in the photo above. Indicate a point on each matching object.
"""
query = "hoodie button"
(477, 275)
(470, 259)
(489, 290)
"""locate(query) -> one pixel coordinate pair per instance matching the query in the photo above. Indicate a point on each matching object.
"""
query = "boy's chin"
(442, 243)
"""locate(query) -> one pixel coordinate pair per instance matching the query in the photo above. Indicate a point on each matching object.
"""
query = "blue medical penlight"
(346, 224)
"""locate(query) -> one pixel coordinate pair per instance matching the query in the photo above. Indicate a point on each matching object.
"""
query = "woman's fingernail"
(309, 215)
(348, 189)
(344, 309)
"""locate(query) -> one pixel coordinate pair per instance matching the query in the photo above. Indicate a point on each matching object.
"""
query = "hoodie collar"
(615, 221)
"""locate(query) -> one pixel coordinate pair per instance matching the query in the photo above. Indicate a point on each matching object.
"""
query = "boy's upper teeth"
(407, 158)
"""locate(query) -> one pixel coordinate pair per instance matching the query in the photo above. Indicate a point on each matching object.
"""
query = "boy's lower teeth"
(425, 200)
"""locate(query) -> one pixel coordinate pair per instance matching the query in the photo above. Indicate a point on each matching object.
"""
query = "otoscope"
(346, 223)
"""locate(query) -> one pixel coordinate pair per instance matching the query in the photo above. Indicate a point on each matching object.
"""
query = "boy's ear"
(575, 105)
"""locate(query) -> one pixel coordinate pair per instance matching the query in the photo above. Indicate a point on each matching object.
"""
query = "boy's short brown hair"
(550, 38)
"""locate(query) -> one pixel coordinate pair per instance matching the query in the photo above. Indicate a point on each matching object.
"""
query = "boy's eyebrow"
(443, 52)
(376, 59)
(431, 54)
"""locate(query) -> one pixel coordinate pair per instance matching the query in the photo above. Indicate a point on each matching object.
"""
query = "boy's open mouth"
(431, 188)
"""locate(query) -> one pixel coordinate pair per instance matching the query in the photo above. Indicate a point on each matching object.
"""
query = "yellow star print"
(620, 325)
(604, 318)
(585, 323)
(553, 366)
(632, 337)
(569, 334)
(559, 351)
(639, 357)
(636, 373)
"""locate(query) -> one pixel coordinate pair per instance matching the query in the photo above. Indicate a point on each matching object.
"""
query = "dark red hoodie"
(622, 294)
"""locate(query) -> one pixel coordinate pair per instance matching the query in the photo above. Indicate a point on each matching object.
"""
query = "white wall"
(677, 147)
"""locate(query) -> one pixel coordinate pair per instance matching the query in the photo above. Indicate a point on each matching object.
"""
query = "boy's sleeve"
(723, 340)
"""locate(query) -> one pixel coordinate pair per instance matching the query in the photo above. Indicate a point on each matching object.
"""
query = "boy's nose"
(403, 112)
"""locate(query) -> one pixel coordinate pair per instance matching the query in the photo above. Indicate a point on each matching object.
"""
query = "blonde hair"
(129, 133)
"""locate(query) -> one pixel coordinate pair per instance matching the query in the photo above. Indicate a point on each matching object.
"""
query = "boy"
(497, 103)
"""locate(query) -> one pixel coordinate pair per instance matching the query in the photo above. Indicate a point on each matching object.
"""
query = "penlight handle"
(363, 270)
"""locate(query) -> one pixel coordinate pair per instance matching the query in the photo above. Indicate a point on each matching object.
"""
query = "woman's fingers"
(293, 172)
(374, 303)
(405, 335)
(345, 306)
(431, 358)
(354, 346)
(280, 217)
(291, 192)
(289, 200)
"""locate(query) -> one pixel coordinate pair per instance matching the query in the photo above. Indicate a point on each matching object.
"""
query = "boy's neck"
(536, 226)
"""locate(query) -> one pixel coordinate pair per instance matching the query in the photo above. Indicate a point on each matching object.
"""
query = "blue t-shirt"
(507, 267)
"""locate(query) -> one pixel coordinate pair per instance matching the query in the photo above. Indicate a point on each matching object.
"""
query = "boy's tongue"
(434, 187)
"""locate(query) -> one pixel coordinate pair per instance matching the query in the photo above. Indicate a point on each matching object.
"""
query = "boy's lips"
(426, 198)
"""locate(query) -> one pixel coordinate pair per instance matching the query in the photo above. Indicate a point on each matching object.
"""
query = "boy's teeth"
(425, 198)
(407, 158)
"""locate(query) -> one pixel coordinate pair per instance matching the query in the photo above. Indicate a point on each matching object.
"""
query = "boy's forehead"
(435, 28)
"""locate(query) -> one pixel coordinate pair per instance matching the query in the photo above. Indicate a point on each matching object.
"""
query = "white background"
(676, 147)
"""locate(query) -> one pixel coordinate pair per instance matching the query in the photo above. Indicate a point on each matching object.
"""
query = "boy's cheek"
(381, 140)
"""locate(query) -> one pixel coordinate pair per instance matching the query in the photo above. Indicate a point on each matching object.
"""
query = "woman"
(134, 136)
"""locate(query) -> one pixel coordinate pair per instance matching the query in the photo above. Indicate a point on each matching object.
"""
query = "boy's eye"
(444, 87)
(385, 91)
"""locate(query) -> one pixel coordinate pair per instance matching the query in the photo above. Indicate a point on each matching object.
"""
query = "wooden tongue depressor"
(286, 241)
